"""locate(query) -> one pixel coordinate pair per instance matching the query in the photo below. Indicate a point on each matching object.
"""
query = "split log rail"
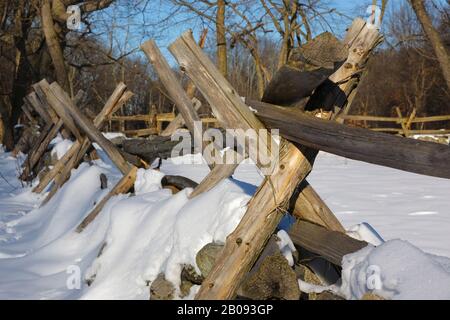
(284, 188)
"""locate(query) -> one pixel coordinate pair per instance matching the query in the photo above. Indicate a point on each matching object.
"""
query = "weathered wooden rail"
(284, 188)
(162, 118)
(154, 123)
(405, 123)
(411, 155)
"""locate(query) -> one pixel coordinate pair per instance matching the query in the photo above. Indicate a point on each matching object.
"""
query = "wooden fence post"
(263, 213)
(90, 130)
(61, 170)
(78, 148)
(402, 122)
(189, 114)
(246, 242)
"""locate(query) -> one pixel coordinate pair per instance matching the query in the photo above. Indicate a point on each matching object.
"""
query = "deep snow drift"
(41, 256)
(395, 270)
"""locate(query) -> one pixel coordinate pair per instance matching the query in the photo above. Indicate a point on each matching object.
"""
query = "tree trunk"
(284, 51)
(221, 38)
(432, 34)
(54, 47)
(260, 83)
(7, 133)
(22, 78)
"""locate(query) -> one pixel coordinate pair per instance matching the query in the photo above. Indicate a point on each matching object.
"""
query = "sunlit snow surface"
(156, 231)
(397, 204)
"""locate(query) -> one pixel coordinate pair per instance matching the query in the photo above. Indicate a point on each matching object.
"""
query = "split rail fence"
(154, 123)
(284, 190)
(404, 124)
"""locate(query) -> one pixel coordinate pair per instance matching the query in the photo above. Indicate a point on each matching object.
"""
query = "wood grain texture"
(178, 121)
(264, 212)
(227, 105)
(114, 102)
(57, 102)
(267, 206)
(91, 131)
(172, 85)
(310, 207)
(328, 244)
(78, 149)
(48, 133)
(33, 100)
(188, 113)
(379, 148)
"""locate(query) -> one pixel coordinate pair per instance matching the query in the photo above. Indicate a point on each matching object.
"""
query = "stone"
(161, 289)
(305, 274)
(275, 279)
(185, 288)
(326, 295)
(190, 274)
(207, 256)
(324, 51)
(371, 296)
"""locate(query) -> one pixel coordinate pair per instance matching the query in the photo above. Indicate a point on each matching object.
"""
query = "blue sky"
(164, 36)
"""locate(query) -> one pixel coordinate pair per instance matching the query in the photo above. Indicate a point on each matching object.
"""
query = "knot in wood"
(348, 65)
(359, 51)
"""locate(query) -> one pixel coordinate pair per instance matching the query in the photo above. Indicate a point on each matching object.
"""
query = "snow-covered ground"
(155, 231)
(397, 204)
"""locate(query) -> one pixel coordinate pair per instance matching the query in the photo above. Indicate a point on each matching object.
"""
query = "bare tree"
(212, 12)
(53, 45)
(246, 34)
(33, 40)
(422, 81)
(406, 73)
(433, 35)
(222, 60)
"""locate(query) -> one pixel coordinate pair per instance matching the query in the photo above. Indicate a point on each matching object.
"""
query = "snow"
(286, 246)
(443, 137)
(365, 232)
(61, 147)
(147, 181)
(144, 235)
(384, 271)
(112, 135)
(165, 233)
(156, 231)
(307, 287)
(390, 200)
